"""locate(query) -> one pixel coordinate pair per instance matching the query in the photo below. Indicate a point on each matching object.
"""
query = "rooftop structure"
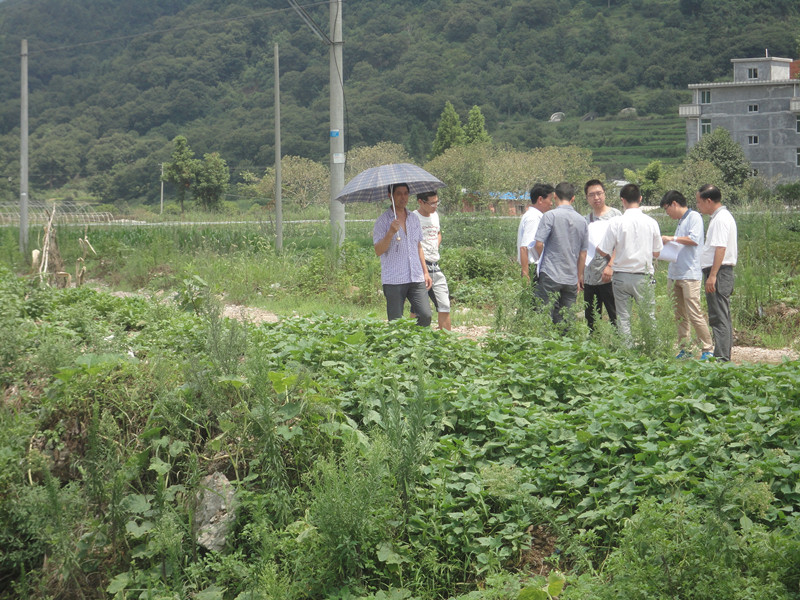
(761, 110)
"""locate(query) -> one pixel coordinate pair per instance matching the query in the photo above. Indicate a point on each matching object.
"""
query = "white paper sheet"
(670, 251)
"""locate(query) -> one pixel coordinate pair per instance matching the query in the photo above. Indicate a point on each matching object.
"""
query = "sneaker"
(683, 354)
(706, 355)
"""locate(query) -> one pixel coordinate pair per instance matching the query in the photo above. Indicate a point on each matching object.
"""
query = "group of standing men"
(553, 245)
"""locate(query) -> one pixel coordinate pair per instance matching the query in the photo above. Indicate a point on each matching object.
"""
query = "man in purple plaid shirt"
(397, 236)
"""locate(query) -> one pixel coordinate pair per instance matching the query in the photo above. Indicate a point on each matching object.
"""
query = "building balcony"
(794, 105)
(689, 110)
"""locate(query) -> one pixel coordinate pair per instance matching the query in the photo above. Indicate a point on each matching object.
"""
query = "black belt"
(432, 266)
(707, 270)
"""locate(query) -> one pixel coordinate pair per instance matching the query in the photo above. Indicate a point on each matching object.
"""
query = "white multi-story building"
(761, 110)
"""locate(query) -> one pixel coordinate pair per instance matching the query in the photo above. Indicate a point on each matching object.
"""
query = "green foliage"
(182, 171)
(649, 181)
(376, 459)
(685, 551)
(211, 183)
(217, 89)
(788, 193)
(449, 134)
(475, 130)
(720, 150)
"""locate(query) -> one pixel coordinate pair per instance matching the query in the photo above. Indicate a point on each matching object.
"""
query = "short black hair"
(590, 183)
(631, 193)
(425, 195)
(540, 190)
(565, 191)
(710, 192)
(673, 196)
(393, 186)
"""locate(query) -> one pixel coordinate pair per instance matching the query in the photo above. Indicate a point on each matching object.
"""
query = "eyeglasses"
(431, 201)
(595, 194)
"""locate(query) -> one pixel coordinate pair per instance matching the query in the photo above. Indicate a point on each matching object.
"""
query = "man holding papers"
(684, 274)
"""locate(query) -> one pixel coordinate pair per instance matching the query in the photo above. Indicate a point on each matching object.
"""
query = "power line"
(161, 31)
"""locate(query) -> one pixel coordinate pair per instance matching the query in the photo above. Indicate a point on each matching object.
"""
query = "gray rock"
(215, 512)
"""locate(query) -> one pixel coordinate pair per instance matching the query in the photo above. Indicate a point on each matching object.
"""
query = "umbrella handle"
(394, 209)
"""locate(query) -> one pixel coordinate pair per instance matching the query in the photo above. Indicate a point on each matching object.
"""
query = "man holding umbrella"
(397, 237)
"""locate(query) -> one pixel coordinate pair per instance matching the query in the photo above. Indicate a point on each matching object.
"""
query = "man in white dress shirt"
(719, 256)
(541, 201)
(635, 240)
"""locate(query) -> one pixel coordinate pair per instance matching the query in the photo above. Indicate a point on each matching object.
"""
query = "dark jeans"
(719, 311)
(417, 296)
(562, 295)
(596, 297)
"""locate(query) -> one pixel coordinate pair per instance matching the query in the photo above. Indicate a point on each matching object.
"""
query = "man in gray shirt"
(561, 241)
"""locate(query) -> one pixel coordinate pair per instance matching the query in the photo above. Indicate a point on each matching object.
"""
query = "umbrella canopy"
(372, 185)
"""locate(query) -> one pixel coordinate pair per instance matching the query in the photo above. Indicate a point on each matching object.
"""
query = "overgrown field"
(239, 264)
(372, 460)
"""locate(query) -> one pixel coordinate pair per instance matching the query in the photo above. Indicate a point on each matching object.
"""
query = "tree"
(56, 154)
(181, 171)
(650, 181)
(450, 133)
(482, 169)
(365, 157)
(691, 174)
(475, 131)
(719, 149)
(303, 182)
(212, 178)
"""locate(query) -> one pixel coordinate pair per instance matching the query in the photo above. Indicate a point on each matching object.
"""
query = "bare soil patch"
(749, 354)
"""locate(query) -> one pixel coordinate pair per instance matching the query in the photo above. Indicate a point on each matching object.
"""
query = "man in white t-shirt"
(636, 239)
(431, 238)
(541, 201)
(597, 294)
(717, 259)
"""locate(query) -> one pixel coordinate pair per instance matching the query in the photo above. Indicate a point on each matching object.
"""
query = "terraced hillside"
(618, 144)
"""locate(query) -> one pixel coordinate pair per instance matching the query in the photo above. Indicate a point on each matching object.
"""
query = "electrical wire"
(159, 31)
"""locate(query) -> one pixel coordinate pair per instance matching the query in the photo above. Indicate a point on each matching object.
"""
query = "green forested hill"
(112, 83)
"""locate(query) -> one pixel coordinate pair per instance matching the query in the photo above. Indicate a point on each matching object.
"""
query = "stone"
(215, 511)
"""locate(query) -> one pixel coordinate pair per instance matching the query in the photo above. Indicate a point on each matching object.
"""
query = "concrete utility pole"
(278, 175)
(337, 123)
(337, 110)
(161, 212)
(23, 154)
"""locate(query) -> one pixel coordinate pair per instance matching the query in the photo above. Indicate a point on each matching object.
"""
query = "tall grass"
(241, 265)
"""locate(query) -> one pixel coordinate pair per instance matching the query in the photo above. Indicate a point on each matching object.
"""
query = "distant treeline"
(112, 84)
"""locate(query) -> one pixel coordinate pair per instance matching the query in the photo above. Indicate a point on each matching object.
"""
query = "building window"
(752, 73)
(752, 140)
(705, 126)
(798, 125)
(754, 173)
(705, 96)
(752, 108)
(798, 157)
